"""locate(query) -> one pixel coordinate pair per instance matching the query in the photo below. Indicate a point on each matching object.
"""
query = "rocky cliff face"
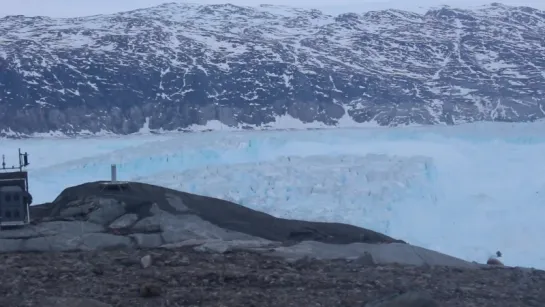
(177, 66)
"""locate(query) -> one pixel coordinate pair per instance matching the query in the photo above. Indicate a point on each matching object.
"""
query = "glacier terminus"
(466, 190)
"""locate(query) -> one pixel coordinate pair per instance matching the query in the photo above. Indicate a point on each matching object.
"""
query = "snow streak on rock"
(178, 66)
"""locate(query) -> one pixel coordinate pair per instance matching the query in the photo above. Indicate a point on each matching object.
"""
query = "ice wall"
(361, 190)
(467, 190)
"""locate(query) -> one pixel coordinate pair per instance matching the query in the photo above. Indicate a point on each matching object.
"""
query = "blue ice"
(466, 190)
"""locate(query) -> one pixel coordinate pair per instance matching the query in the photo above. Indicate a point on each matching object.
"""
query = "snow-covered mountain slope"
(179, 65)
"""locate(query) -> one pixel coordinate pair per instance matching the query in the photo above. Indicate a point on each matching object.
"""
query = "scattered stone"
(149, 290)
(97, 270)
(147, 240)
(242, 279)
(222, 247)
(494, 261)
(108, 210)
(176, 202)
(71, 302)
(124, 221)
(366, 259)
(408, 299)
(145, 261)
(77, 210)
(184, 260)
(127, 261)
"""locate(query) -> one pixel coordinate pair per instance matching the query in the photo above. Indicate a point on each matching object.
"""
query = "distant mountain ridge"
(181, 66)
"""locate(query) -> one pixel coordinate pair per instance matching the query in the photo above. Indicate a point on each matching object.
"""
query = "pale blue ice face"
(468, 190)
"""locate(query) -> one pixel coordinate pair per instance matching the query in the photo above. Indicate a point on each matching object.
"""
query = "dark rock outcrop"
(99, 216)
(177, 65)
(132, 209)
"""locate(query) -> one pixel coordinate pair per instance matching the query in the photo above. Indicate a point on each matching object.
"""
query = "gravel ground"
(184, 277)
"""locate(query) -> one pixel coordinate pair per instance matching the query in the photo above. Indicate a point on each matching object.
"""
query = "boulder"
(494, 261)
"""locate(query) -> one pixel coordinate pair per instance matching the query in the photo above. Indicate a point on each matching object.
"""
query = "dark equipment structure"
(15, 199)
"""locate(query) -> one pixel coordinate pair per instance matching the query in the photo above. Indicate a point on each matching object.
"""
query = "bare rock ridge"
(179, 66)
(93, 216)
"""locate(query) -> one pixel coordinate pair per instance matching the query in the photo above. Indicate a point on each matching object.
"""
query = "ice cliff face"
(175, 66)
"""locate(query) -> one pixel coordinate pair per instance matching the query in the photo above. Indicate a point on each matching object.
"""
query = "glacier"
(466, 190)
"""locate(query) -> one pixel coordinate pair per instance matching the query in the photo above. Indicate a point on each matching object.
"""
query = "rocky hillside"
(124, 245)
(180, 66)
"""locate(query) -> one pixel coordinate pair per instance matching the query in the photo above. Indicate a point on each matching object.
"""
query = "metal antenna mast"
(23, 162)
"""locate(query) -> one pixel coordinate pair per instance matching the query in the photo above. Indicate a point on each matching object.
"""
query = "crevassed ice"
(350, 189)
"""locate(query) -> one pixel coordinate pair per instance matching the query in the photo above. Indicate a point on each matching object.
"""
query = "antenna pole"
(20, 162)
(23, 162)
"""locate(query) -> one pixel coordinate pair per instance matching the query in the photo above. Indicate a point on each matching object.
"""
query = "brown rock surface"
(184, 277)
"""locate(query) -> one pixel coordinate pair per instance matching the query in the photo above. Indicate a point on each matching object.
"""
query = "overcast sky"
(73, 8)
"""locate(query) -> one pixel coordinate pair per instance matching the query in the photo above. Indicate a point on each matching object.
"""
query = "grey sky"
(72, 8)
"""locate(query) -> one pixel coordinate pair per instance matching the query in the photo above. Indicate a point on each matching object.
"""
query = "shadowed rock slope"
(137, 202)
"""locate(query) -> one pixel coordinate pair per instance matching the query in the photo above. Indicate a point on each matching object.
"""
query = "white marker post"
(114, 173)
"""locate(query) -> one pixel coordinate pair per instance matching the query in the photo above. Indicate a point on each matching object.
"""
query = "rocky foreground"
(185, 277)
(134, 244)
